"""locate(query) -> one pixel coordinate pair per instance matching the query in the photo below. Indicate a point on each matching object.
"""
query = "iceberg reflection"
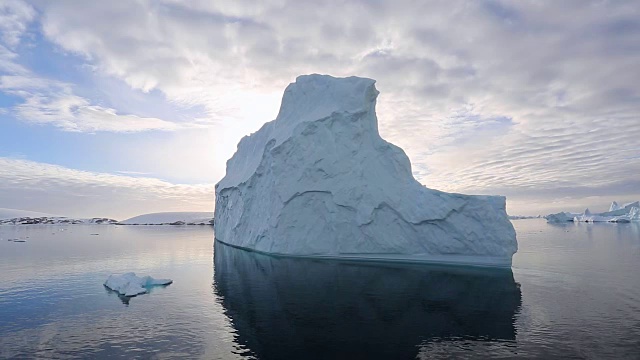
(299, 308)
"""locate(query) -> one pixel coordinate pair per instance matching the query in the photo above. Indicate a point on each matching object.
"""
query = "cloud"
(53, 102)
(15, 15)
(47, 101)
(7, 62)
(483, 95)
(55, 189)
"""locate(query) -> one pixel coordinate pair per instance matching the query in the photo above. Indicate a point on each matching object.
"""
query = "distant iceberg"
(131, 285)
(561, 217)
(616, 214)
(614, 206)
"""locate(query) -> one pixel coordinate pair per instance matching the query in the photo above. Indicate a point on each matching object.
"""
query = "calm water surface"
(574, 292)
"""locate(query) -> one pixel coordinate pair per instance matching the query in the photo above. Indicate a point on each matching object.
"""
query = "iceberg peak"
(614, 206)
(315, 96)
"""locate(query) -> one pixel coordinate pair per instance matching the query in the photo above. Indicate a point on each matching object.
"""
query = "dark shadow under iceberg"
(301, 308)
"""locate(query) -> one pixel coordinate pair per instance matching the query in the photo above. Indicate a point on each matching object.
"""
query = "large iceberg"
(617, 216)
(319, 181)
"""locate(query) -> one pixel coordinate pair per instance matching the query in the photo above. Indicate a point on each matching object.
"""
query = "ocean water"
(573, 292)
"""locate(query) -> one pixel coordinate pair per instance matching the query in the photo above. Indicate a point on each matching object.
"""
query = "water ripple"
(574, 293)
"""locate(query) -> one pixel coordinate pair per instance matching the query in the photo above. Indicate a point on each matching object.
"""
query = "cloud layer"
(520, 98)
(52, 102)
(59, 190)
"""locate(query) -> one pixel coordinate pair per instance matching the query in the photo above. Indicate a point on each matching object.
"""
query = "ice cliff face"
(320, 181)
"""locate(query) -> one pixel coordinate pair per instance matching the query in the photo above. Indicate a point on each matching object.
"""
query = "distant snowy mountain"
(171, 218)
(47, 220)
(24, 217)
(522, 217)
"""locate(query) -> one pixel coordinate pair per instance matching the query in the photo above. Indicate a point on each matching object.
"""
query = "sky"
(118, 108)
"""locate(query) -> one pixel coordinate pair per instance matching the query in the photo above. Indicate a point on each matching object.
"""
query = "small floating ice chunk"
(131, 285)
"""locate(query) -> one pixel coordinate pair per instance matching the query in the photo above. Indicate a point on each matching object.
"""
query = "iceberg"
(617, 210)
(131, 285)
(614, 206)
(319, 181)
(611, 216)
(628, 206)
(616, 214)
(560, 217)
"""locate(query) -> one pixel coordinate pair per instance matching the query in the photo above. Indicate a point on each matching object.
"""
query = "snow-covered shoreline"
(171, 218)
(22, 217)
(57, 221)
